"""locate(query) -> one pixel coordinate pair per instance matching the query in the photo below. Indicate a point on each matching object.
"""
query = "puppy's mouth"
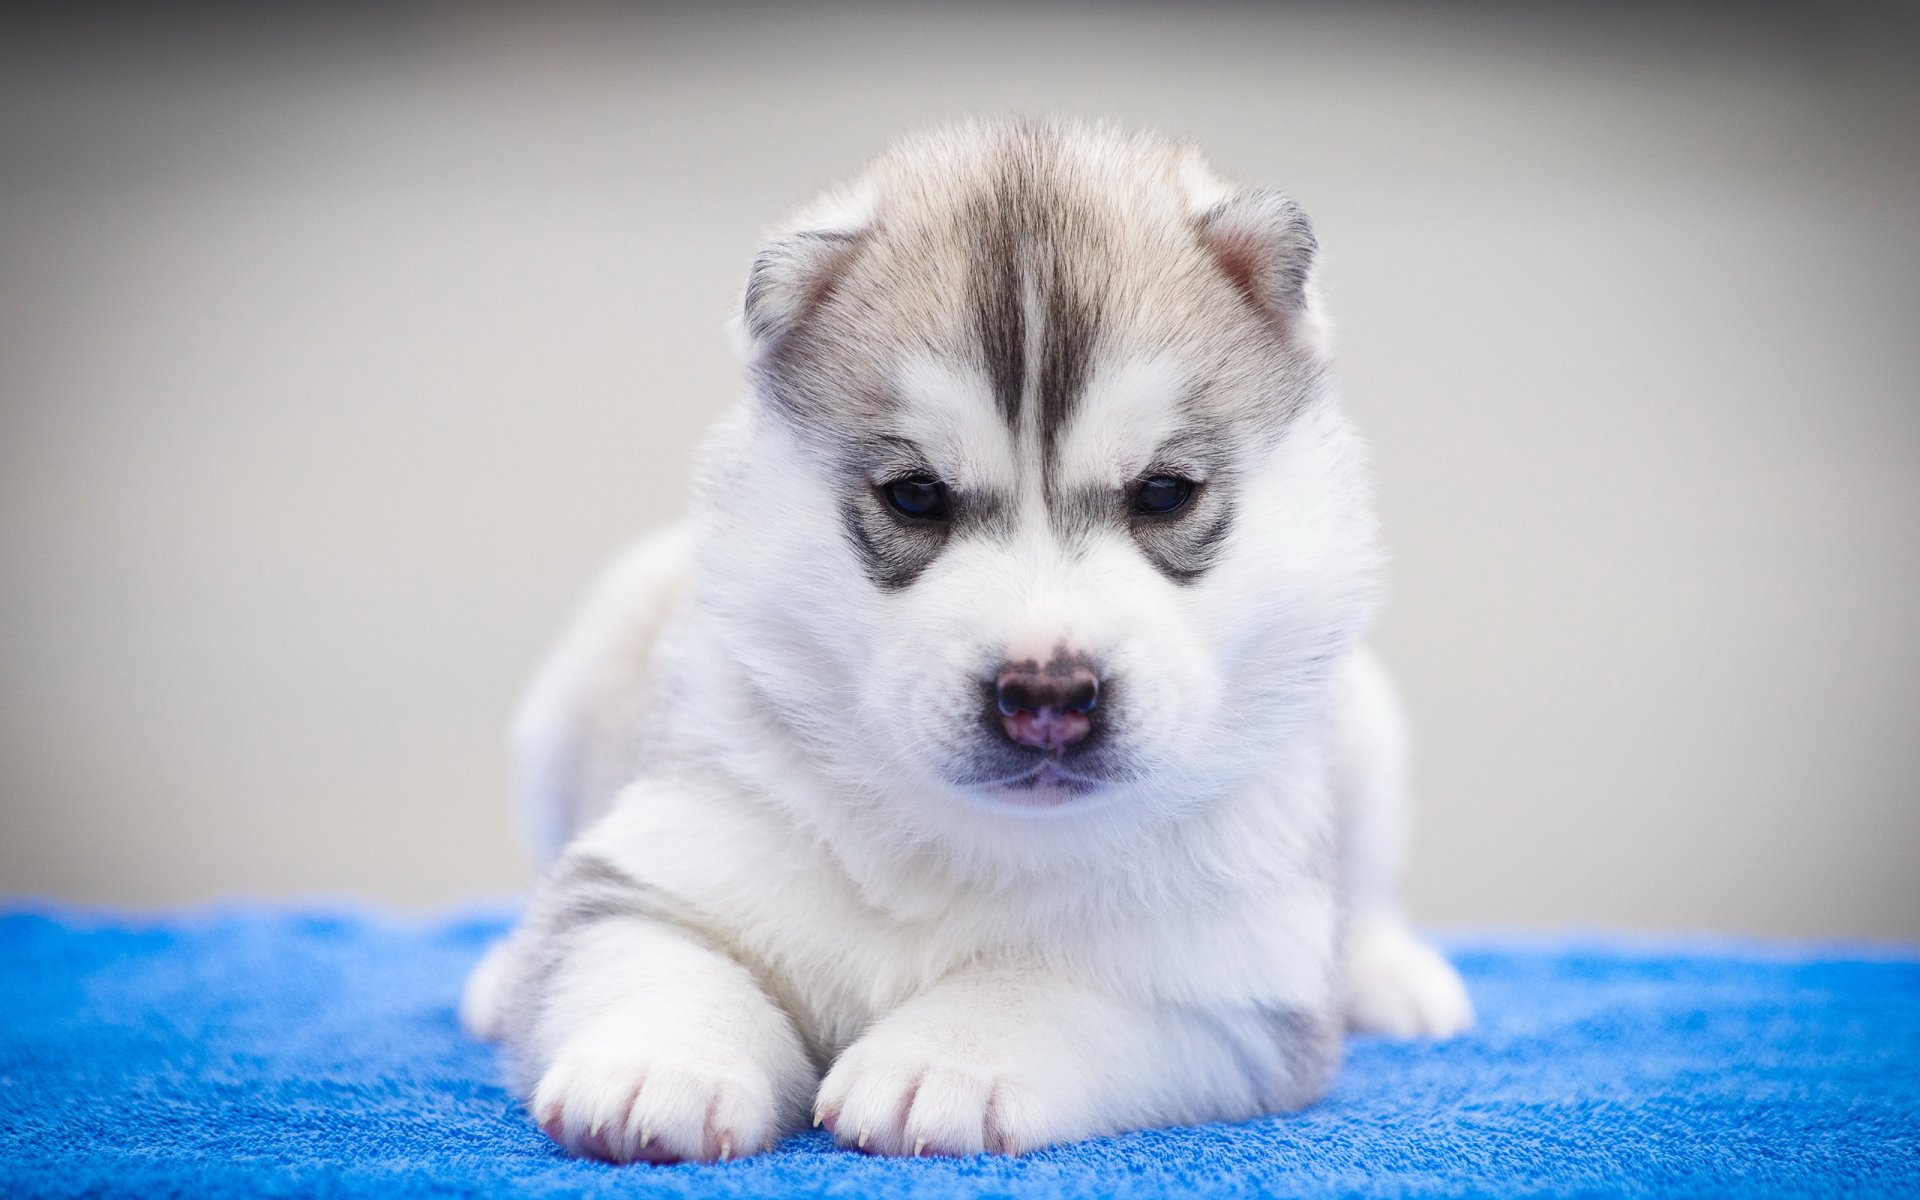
(1045, 786)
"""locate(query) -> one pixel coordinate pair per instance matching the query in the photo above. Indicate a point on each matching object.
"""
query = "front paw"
(628, 1103)
(905, 1095)
(1400, 986)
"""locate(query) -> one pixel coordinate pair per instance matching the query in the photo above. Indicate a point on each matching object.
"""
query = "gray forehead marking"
(1073, 324)
(999, 311)
(1027, 236)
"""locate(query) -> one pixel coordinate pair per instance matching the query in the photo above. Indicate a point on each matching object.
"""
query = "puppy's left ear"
(1264, 244)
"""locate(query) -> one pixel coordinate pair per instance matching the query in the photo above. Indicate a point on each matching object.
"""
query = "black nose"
(1027, 689)
(1046, 707)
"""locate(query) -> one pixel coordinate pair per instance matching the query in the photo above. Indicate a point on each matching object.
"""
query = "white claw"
(918, 1146)
(726, 1150)
(646, 1137)
(862, 1143)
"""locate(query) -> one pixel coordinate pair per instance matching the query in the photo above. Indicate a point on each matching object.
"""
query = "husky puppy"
(992, 760)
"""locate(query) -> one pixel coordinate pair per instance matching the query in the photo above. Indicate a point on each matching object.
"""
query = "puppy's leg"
(1397, 984)
(637, 1037)
(481, 999)
(575, 743)
(576, 733)
(1009, 1061)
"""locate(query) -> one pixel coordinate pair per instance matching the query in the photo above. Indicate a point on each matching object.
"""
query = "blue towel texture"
(246, 1052)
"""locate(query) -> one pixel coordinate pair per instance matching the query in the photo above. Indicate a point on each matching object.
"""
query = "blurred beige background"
(337, 351)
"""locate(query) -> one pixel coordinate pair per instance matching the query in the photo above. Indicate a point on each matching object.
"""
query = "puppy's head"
(1041, 504)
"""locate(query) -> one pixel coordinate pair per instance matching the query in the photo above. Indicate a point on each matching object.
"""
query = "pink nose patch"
(1047, 707)
(1047, 729)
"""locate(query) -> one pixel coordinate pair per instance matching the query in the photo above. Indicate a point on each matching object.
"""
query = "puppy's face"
(1057, 478)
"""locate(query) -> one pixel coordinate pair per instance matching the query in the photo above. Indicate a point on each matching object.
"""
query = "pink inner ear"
(1239, 259)
(795, 276)
(824, 274)
(1262, 242)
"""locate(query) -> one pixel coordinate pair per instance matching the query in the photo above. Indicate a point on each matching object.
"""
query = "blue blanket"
(248, 1053)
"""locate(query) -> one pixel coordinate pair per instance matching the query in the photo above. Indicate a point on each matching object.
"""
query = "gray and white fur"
(993, 758)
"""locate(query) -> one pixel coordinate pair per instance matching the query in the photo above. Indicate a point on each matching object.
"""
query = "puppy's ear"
(1265, 245)
(790, 278)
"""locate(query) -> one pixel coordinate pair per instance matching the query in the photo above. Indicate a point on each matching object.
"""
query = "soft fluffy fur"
(797, 868)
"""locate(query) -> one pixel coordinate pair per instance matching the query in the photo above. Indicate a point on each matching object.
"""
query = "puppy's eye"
(1158, 495)
(917, 496)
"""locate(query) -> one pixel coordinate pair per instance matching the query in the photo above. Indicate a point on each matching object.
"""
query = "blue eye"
(917, 496)
(1158, 495)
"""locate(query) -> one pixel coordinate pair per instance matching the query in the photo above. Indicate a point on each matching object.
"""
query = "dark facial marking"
(1180, 509)
(893, 549)
(998, 311)
(1185, 548)
(898, 514)
(1027, 229)
(1072, 325)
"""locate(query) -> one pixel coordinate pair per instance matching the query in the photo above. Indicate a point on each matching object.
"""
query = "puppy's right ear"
(789, 280)
(1264, 244)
